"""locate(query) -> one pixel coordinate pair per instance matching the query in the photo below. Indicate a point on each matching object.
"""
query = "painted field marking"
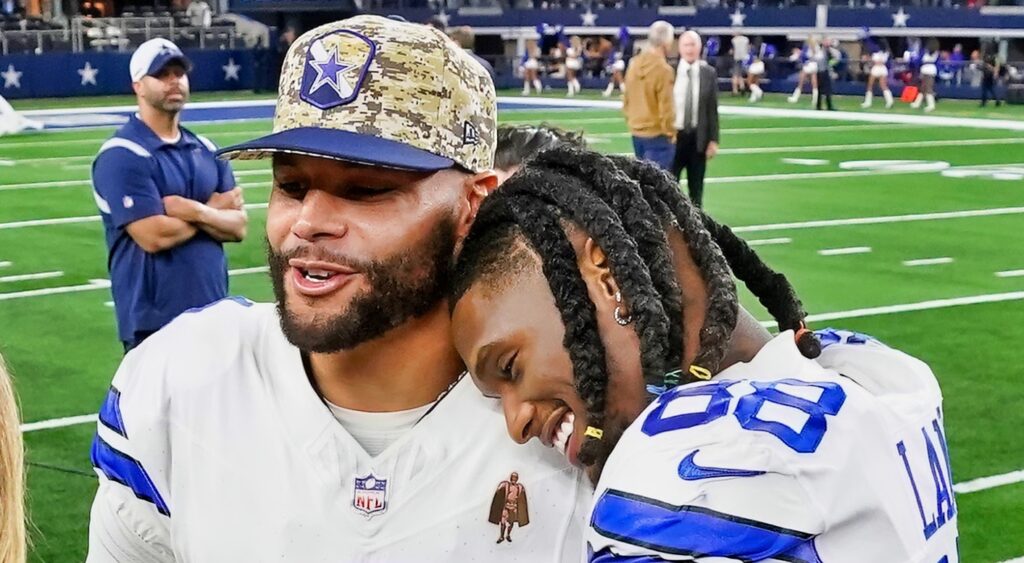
(93, 284)
(805, 161)
(99, 140)
(982, 483)
(873, 146)
(26, 277)
(842, 251)
(1010, 274)
(1015, 559)
(876, 220)
(5, 264)
(768, 241)
(82, 219)
(59, 422)
(88, 182)
(928, 261)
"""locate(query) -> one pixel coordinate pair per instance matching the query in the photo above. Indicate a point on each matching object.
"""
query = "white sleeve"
(130, 518)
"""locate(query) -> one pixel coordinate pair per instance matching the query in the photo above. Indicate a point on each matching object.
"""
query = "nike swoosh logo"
(690, 471)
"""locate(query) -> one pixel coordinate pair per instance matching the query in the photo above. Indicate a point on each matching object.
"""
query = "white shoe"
(888, 105)
(865, 105)
(792, 100)
(929, 109)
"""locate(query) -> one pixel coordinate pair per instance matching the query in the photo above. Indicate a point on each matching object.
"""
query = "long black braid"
(500, 223)
(577, 202)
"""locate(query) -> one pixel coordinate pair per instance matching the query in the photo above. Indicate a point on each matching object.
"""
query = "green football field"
(913, 233)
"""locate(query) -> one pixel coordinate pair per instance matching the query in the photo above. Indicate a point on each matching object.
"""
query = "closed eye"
(508, 369)
(290, 189)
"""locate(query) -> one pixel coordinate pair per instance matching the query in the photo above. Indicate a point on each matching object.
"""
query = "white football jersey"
(212, 446)
(835, 460)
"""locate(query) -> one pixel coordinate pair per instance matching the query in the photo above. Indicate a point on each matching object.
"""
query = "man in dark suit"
(696, 107)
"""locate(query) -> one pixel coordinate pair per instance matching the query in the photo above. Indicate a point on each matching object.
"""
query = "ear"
(596, 271)
(477, 188)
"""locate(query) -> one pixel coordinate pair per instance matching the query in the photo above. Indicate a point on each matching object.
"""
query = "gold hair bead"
(594, 432)
(699, 372)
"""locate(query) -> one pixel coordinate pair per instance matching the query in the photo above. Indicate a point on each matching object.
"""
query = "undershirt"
(375, 431)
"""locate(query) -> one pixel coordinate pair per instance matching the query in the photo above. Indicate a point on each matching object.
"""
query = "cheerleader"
(12, 122)
(879, 72)
(573, 64)
(811, 56)
(618, 71)
(929, 56)
(755, 68)
(530, 66)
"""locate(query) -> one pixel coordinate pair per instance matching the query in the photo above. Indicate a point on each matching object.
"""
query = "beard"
(402, 287)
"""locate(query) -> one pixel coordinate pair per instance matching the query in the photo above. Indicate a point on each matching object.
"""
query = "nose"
(519, 418)
(320, 217)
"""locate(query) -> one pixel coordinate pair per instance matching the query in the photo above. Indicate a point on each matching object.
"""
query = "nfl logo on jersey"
(370, 495)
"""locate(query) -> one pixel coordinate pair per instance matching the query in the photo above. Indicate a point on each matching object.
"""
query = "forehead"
(330, 167)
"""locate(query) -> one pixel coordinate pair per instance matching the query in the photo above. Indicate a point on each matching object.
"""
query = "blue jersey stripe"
(129, 472)
(606, 556)
(110, 412)
(689, 530)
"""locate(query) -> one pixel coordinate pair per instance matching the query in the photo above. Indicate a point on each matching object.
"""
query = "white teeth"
(564, 432)
(318, 275)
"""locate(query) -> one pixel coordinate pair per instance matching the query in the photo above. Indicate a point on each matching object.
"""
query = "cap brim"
(339, 145)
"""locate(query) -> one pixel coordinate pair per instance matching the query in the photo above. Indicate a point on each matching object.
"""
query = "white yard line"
(99, 141)
(88, 182)
(842, 251)
(5, 264)
(909, 307)
(876, 220)
(1010, 274)
(982, 483)
(768, 241)
(102, 284)
(26, 277)
(928, 261)
(873, 146)
(803, 176)
(1015, 559)
(81, 219)
(59, 422)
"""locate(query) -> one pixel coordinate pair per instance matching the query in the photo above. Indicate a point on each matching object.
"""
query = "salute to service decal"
(509, 507)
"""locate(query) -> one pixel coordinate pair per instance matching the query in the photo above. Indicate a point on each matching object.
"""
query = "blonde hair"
(12, 475)
(660, 34)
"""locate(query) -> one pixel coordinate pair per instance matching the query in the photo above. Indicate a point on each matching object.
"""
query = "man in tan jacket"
(647, 101)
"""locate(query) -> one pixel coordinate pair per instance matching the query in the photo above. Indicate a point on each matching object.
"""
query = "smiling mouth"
(315, 279)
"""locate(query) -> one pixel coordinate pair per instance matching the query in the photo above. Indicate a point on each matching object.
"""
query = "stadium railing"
(117, 34)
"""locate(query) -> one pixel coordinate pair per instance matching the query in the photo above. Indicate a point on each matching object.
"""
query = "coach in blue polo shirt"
(168, 204)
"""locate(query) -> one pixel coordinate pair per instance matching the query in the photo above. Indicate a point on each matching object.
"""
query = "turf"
(63, 349)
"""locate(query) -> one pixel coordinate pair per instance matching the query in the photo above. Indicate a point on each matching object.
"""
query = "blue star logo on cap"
(335, 69)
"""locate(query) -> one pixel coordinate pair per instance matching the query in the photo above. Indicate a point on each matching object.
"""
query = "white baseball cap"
(153, 55)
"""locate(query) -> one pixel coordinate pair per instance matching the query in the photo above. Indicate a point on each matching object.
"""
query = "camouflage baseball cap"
(381, 92)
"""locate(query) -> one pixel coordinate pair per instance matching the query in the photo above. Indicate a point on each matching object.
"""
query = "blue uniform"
(131, 175)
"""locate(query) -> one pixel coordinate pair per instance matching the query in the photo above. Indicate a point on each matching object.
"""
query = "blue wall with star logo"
(85, 74)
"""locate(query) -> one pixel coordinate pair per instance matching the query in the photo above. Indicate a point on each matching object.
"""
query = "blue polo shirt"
(134, 170)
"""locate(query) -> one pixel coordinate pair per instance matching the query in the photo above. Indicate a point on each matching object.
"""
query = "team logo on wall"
(509, 507)
(371, 495)
(335, 69)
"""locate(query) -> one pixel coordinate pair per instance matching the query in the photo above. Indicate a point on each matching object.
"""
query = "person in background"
(530, 68)
(12, 474)
(167, 203)
(808, 58)
(829, 58)
(573, 65)
(12, 122)
(518, 143)
(647, 100)
(929, 70)
(465, 38)
(879, 71)
(199, 14)
(696, 116)
(755, 70)
(740, 51)
(617, 69)
(989, 73)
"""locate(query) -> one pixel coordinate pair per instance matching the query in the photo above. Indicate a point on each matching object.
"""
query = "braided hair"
(627, 207)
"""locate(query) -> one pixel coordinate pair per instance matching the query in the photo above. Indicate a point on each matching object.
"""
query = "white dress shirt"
(684, 81)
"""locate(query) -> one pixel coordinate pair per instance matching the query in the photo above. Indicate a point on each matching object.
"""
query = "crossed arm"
(222, 217)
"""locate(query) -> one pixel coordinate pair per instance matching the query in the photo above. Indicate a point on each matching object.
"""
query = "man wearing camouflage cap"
(338, 426)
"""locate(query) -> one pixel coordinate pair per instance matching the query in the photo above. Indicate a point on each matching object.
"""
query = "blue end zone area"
(216, 112)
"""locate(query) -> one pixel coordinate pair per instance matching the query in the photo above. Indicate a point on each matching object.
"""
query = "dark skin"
(327, 208)
(511, 341)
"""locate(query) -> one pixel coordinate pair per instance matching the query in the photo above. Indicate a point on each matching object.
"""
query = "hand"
(712, 150)
(181, 208)
(227, 200)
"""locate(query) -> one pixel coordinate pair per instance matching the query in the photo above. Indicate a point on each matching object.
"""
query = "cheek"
(281, 215)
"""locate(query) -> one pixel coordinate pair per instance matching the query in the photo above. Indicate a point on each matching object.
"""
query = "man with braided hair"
(598, 303)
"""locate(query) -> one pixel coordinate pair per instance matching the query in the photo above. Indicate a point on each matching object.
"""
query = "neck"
(407, 367)
(164, 124)
(659, 51)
